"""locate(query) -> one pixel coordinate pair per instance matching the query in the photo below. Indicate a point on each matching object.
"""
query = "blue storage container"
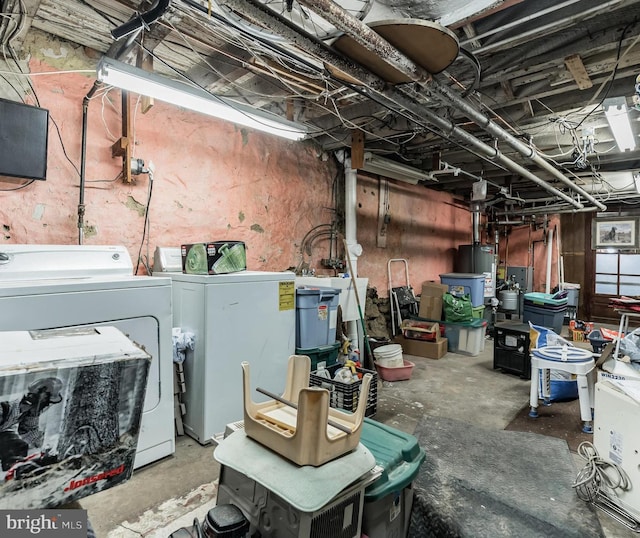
(461, 283)
(551, 318)
(387, 502)
(316, 316)
(544, 299)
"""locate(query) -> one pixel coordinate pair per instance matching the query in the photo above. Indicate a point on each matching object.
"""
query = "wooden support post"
(122, 147)
(145, 62)
(357, 149)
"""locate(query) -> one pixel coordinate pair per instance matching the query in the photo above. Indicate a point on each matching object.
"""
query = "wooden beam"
(123, 146)
(145, 61)
(579, 73)
(507, 89)
(357, 149)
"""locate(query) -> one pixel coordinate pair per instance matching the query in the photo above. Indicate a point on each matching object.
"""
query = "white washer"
(52, 286)
(245, 316)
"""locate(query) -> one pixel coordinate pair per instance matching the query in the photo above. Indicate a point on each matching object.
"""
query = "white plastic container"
(389, 356)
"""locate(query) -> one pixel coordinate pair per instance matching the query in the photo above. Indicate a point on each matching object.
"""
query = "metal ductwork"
(373, 42)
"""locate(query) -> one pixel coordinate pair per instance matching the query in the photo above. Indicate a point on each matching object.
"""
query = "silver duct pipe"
(475, 224)
(369, 39)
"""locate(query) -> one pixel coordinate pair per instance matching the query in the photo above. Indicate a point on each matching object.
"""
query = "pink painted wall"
(425, 229)
(214, 181)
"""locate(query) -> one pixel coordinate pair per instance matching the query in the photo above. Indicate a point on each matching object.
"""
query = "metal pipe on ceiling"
(495, 130)
(544, 210)
(519, 21)
(366, 37)
(536, 32)
(379, 91)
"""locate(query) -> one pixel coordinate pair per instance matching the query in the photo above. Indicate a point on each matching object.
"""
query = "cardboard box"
(431, 350)
(72, 401)
(420, 330)
(213, 258)
(431, 300)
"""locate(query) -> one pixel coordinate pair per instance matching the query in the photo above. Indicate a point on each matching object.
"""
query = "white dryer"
(52, 286)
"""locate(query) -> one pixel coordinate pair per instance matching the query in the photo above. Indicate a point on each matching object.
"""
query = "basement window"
(617, 274)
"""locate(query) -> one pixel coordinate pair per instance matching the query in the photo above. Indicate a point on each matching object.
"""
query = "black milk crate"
(346, 395)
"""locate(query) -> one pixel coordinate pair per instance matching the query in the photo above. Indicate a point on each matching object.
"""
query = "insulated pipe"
(350, 233)
(366, 37)
(83, 159)
(391, 98)
(547, 287)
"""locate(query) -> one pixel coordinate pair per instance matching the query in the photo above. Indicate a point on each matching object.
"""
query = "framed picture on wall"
(621, 232)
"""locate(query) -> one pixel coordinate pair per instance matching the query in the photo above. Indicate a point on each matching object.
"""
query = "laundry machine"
(55, 286)
(235, 317)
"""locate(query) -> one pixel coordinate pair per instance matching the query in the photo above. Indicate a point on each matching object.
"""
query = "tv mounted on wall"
(24, 132)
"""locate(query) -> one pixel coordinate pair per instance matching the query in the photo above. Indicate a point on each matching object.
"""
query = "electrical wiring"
(104, 121)
(18, 93)
(63, 72)
(19, 187)
(186, 77)
(597, 474)
(612, 76)
(145, 229)
(64, 150)
(118, 176)
(239, 63)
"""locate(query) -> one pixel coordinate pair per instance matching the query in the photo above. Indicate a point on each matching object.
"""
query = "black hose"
(142, 20)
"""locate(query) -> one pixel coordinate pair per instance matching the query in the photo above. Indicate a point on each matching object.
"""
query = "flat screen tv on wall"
(24, 131)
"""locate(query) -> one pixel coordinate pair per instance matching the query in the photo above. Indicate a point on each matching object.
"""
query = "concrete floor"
(168, 494)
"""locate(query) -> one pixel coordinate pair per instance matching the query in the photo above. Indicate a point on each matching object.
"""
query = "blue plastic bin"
(461, 283)
(316, 316)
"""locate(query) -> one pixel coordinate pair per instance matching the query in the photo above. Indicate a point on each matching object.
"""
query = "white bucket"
(389, 356)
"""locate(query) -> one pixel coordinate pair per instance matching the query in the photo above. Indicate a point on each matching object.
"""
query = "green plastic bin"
(324, 356)
(387, 502)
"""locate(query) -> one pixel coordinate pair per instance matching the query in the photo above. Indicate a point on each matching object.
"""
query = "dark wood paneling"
(575, 231)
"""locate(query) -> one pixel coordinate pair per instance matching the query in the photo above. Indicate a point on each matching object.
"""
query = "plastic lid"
(306, 290)
(398, 453)
(462, 275)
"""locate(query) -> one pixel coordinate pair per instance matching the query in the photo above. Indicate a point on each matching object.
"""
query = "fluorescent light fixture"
(615, 110)
(636, 181)
(394, 170)
(137, 80)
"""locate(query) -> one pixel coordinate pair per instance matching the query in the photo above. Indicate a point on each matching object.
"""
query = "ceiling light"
(136, 80)
(636, 181)
(394, 170)
(615, 110)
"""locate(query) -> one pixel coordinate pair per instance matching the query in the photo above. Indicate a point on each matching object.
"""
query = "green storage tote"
(387, 502)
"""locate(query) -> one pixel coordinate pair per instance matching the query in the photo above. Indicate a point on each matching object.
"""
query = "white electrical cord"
(597, 474)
